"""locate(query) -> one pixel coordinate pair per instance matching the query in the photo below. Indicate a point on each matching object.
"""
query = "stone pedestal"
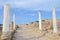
(55, 36)
(6, 36)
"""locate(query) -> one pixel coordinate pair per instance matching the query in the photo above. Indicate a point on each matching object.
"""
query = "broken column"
(54, 21)
(14, 21)
(11, 26)
(40, 26)
(6, 21)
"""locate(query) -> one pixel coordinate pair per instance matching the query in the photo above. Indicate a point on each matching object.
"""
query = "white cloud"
(33, 4)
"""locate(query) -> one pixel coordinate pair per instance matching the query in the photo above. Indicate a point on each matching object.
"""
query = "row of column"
(54, 21)
(6, 23)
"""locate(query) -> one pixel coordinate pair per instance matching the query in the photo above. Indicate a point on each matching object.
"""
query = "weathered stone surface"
(14, 21)
(6, 35)
(24, 33)
(11, 26)
(6, 20)
(40, 21)
(54, 20)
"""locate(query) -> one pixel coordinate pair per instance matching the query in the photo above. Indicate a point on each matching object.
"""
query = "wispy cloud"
(33, 4)
(26, 9)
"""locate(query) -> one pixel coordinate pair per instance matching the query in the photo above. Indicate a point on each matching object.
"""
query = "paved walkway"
(27, 34)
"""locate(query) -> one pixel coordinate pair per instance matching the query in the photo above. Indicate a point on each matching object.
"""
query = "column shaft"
(6, 21)
(54, 20)
(14, 21)
(40, 26)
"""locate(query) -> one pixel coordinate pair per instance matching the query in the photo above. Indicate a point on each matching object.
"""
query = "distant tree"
(37, 21)
(43, 20)
(26, 24)
(1, 24)
(32, 22)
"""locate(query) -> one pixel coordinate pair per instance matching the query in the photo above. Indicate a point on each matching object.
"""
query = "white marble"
(54, 20)
(14, 21)
(40, 21)
(6, 19)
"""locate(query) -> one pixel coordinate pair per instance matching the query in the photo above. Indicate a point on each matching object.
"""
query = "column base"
(55, 36)
(6, 36)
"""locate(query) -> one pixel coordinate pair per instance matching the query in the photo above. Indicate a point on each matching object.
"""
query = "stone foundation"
(7, 35)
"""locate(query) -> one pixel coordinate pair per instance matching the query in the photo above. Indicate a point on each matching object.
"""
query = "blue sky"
(27, 10)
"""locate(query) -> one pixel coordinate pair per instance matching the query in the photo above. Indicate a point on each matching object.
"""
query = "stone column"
(11, 26)
(14, 21)
(6, 21)
(54, 21)
(40, 26)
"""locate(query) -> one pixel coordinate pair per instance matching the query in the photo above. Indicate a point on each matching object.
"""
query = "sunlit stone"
(14, 21)
(54, 21)
(6, 21)
(40, 26)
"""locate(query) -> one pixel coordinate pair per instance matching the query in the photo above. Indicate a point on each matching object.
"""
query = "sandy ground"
(0, 35)
(23, 33)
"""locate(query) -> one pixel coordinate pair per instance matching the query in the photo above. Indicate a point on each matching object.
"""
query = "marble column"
(40, 21)
(6, 21)
(54, 20)
(14, 21)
